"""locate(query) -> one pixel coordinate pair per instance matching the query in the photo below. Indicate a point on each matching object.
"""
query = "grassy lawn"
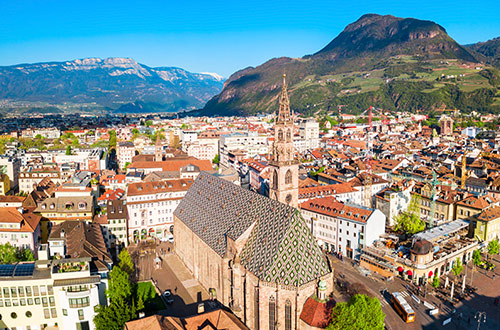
(152, 301)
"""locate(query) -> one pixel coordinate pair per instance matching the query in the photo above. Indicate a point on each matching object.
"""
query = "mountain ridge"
(108, 83)
(398, 51)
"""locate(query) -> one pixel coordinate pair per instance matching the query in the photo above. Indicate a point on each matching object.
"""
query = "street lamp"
(480, 316)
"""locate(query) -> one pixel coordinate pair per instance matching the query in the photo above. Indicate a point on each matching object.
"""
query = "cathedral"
(255, 254)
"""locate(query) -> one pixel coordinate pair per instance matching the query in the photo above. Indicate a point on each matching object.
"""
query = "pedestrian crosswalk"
(384, 302)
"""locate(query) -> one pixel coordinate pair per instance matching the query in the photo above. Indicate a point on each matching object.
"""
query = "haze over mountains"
(385, 61)
(117, 84)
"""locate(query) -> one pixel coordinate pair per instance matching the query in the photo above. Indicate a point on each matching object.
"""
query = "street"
(462, 314)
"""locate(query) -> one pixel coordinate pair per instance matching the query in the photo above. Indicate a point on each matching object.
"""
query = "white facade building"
(151, 205)
(125, 152)
(61, 293)
(344, 228)
(309, 133)
(251, 144)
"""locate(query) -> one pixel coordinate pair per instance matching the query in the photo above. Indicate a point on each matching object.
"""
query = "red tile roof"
(28, 220)
(331, 207)
(146, 188)
(175, 164)
(320, 191)
(317, 314)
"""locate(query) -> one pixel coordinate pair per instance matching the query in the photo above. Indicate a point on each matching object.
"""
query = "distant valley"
(112, 84)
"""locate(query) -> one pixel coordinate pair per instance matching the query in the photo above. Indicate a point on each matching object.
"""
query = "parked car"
(169, 298)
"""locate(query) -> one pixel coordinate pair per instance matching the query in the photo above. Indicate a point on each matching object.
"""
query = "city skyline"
(222, 38)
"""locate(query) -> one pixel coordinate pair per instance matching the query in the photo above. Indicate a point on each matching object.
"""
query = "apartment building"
(150, 207)
(251, 144)
(344, 228)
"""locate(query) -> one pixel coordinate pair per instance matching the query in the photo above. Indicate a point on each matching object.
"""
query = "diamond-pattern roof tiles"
(280, 248)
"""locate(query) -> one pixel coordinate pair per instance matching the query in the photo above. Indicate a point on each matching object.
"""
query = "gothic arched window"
(288, 315)
(288, 177)
(289, 135)
(275, 179)
(272, 313)
(280, 135)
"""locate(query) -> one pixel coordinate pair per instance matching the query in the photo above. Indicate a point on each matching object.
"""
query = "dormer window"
(44, 206)
(52, 206)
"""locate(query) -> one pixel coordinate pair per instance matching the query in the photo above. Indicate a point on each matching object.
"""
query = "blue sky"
(210, 36)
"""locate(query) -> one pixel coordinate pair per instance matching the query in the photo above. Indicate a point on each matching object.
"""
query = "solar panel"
(24, 269)
(6, 270)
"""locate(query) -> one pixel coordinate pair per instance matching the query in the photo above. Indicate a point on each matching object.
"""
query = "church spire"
(284, 109)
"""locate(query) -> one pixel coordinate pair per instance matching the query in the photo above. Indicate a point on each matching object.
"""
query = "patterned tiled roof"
(280, 248)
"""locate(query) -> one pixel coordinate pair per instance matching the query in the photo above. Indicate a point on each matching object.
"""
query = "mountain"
(385, 61)
(111, 83)
(490, 49)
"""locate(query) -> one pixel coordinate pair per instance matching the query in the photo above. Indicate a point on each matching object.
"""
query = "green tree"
(493, 247)
(458, 267)
(68, 150)
(10, 254)
(149, 123)
(435, 281)
(361, 312)
(120, 286)
(25, 254)
(476, 257)
(216, 159)
(114, 316)
(126, 263)
(112, 138)
(409, 221)
(126, 166)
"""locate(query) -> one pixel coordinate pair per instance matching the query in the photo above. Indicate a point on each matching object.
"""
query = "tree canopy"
(458, 267)
(476, 257)
(10, 254)
(122, 305)
(409, 221)
(493, 247)
(360, 313)
(112, 138)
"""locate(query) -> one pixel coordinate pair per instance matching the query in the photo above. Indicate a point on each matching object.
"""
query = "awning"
(400, 269)
(410, 273)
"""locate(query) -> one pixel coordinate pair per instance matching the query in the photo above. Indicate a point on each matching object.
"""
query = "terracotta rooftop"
(215, 320)
(27, 220)
(12, 199)
(316, 313)
(489, 214)
(153, 187)
(331, 207)
(320, 191)
(175, 164)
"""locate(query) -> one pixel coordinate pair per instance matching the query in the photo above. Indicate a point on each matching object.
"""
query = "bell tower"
(158, 148)
(284, 169)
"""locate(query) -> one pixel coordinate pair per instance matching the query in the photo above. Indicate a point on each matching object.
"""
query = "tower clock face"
(288, 198)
